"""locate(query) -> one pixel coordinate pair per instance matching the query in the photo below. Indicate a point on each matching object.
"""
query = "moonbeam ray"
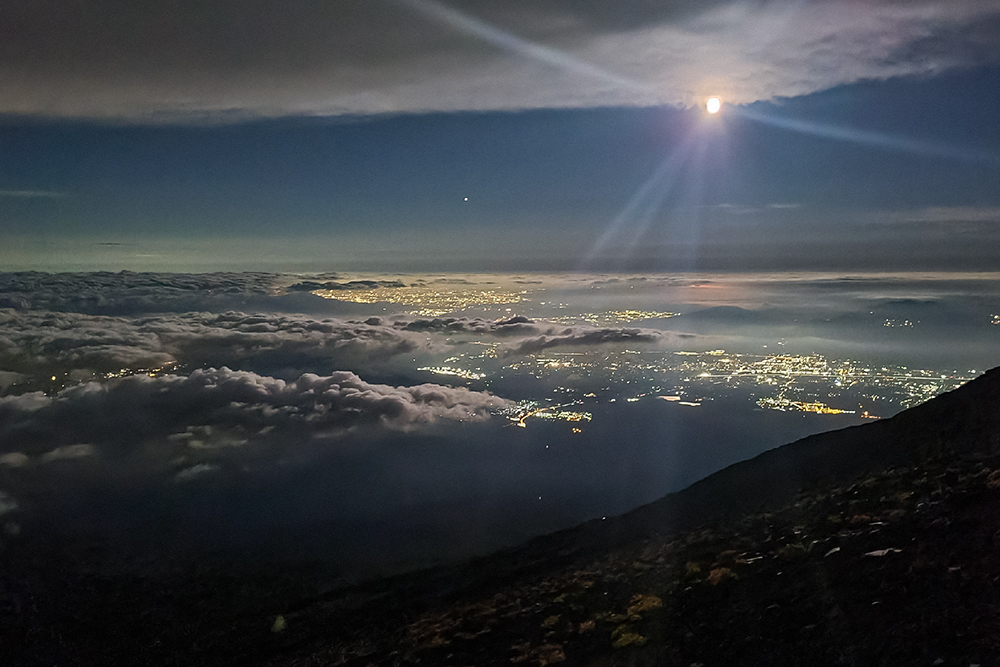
(871, 138)
(509, 42)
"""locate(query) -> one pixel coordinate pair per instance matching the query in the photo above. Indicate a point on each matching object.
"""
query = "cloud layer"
(161, 61)
(126, 292)
(42, 342)
(76, 346)
(317, 435)
(185, 421)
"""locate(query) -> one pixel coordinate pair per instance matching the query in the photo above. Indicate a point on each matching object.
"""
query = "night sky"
(414, 136)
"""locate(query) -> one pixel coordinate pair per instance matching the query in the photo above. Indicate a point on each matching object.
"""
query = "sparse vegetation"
(719, 575)
(624, 636)
(642, 603)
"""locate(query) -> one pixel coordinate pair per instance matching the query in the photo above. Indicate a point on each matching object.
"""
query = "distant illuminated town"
(568, 383)
(63, 379)
(610, 317)
(523, 410)
(567, 379)
(784, 382)
(449, 370)
(427, 301)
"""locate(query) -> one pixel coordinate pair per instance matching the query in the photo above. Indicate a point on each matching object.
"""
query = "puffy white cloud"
(36, 342)
(14, 459)
(68, 452)
(41, 343)
(211, 410)
(7, 504)
(195, 471)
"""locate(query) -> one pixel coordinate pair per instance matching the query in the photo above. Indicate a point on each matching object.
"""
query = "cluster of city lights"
(520, 412)
(427, 301)
(612, 317)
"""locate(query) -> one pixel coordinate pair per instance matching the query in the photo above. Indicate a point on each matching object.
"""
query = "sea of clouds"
(226, 409)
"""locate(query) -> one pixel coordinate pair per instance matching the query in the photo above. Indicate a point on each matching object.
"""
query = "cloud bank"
(127, 292)
(233, 59)
(183, 420)
(41, 343)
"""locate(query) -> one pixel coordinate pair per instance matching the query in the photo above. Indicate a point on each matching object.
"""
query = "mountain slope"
(874, 544)
(963, 423)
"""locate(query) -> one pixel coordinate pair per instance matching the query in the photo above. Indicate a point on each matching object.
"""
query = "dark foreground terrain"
(874, 545)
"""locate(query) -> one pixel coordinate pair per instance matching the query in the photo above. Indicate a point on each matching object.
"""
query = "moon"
(713, 105)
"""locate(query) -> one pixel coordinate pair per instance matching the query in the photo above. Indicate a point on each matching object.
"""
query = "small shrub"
(550, 622)
(793, 550)
(624, 636)
(550, 654)
(642, 603)
(728, 557)
(720, 574)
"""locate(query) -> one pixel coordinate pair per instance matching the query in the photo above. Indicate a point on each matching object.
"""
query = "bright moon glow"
(714, 104)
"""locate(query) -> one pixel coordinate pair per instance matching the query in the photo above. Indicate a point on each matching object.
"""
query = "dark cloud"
(586, 336)
(42, 342)
(7, 504)
(128, 292)
(32, 194)
(944, 215)
(521, 335)
(309, 285)
(232, 59)
(514, 326)
(77, 325)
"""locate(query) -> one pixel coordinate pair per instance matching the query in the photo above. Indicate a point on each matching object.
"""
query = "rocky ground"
(899, 568)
